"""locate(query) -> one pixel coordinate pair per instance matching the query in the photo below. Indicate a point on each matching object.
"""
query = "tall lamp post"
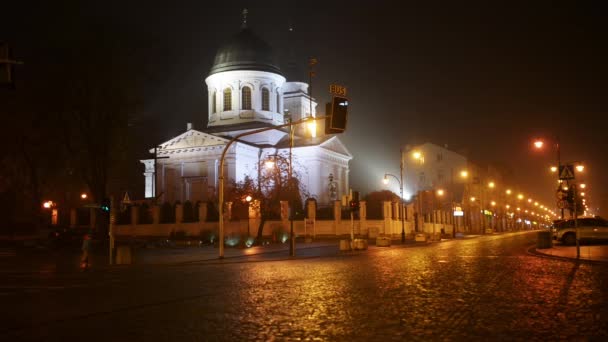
(400, 181)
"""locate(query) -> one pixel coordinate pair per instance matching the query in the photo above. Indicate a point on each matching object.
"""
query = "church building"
(246, 91)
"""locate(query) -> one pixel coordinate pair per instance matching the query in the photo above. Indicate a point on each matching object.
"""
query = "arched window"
(214, 102)
(265, 99)
(278, 101)
(227, 99)
(246, 97)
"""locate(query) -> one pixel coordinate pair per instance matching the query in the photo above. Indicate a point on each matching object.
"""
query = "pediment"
(335, 145)
(192, 138)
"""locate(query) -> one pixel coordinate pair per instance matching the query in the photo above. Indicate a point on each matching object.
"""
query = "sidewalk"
(592, 252)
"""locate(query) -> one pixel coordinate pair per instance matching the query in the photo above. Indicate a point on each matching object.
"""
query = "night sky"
(480, 77)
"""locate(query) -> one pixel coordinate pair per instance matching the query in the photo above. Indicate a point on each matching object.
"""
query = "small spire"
(244, 24)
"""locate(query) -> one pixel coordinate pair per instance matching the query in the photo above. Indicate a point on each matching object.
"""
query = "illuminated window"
(214, 102)
(227, 99)
(265, 99)
(246, 97)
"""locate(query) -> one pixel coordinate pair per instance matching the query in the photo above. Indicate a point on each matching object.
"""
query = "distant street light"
(538, 144)
(83, 195)
(553, 169)
(580, 168)
(491, 185)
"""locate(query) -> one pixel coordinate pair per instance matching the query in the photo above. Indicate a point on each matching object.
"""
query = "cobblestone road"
(475, 289)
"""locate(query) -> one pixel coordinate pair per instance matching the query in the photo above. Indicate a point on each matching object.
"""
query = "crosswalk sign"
(566, 172)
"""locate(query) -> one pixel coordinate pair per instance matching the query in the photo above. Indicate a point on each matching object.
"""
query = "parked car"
(590, 229)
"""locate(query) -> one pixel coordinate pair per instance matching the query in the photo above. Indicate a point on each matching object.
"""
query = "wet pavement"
(488, 287)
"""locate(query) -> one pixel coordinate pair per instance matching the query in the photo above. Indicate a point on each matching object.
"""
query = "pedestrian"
(86, 248)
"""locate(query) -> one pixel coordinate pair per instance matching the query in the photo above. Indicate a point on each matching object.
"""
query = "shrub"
(167, 213)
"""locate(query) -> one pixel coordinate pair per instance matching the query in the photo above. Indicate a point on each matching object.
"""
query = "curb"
(532, 251)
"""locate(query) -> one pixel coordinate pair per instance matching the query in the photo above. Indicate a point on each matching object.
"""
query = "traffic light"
(354, 202)
(337, 114)
(105, 205)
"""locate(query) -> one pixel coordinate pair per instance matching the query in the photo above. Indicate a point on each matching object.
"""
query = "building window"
(265, 99)
(214, 102)
(439, 157)
(421, 178)
(246, 98)
(227, 99)
(278, 101)
(440, 176)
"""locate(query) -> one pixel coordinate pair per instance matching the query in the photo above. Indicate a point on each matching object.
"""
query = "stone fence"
(390, 225)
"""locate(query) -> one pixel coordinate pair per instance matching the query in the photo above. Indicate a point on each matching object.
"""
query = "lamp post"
(400, 181)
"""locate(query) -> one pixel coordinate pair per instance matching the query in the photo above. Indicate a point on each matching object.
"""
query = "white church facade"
(246, 92)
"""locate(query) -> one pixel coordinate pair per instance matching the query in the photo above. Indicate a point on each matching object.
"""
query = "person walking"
(86, 249)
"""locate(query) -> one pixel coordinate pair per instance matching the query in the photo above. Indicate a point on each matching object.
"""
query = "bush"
(213, 214)
(145, 214)
(167, 213)
(188, 212)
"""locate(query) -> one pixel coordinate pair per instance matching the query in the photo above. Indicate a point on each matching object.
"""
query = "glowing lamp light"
(83, 196)
(583, 186)
(312, 127)
(269, 164)
(580, 168)
(473, 199)
(518, 209)
(440, 192)
(47, 204)
(536, 204)
(417, 155)
(464, 173)
(553, 169)
(385, 180)
(248, 198)
(529, 200)
(491, 184)
(538, 144)
(520, 196)
(508, 192)
(493, 203)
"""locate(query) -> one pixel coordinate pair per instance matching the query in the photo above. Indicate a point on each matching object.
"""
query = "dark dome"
(245, 51)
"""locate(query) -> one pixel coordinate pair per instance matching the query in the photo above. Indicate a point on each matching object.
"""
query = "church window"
(214, 102)
(246, 97)
(265, 99)
(227, 99)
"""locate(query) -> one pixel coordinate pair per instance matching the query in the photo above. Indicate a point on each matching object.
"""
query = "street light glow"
(493, 203)
(440, 192)
(472, 199)
(580, 168)
(464, 173)
(583, 186)
(491, 184)
(416, 155)
(538, 144)
(83, 195)
(508, 192)
(248, 198)
(269, 164)
(554, 169)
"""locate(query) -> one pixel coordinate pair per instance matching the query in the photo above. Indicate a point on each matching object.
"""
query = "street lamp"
(400, 181)
(248, 200)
